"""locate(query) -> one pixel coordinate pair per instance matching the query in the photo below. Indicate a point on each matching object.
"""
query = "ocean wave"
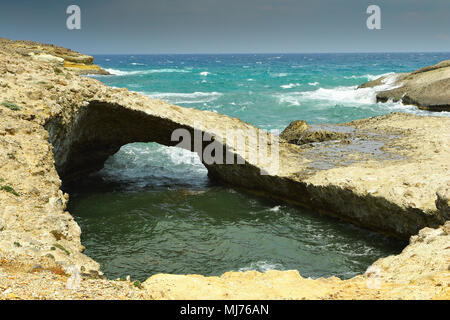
(117, 72)
(342, 95)
(391, 106)
(275, 209)
(290, 99)
(369, 77)
(194, 97)
(205, 73)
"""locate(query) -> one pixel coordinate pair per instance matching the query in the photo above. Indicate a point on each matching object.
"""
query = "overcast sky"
(231, 26)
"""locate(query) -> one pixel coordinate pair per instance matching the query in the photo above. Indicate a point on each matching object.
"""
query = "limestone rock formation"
(421, 271)
(72, 60)
(427, 88)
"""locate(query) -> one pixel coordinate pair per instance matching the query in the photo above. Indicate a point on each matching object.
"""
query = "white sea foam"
(291, 99)
(141, 164)
(120, 72)
(342, 94)
(262, 266)
(275, 209)
(313, 83)
(205, 73)
(142, 72)
(290, 85)
(279, 75)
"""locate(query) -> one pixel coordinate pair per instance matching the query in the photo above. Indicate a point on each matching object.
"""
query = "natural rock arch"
(85, 136)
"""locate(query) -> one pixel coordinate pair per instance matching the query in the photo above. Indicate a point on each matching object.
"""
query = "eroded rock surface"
(421, 271)
(58, 56)
(427, 88)
(299, 132)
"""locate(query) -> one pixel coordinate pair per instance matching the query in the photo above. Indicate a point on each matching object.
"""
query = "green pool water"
(147, 212)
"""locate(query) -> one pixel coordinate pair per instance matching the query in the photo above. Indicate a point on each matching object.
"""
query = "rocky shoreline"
(388, 173)
(57, 56)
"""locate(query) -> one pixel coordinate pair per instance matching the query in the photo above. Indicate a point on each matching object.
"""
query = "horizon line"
(268, 53)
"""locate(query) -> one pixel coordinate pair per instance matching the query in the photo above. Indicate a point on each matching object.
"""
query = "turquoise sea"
(153, 209)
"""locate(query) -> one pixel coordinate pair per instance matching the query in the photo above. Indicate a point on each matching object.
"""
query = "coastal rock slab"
(75, 61)
(391, 176)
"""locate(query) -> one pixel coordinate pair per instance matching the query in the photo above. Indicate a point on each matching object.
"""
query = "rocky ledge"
(427, 88)
(388, 173)
(57, 56)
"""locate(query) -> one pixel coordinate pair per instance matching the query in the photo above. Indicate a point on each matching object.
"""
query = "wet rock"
(443, 201)
(82, 122)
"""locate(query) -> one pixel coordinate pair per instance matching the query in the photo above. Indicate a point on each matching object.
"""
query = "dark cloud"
(143, 26)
